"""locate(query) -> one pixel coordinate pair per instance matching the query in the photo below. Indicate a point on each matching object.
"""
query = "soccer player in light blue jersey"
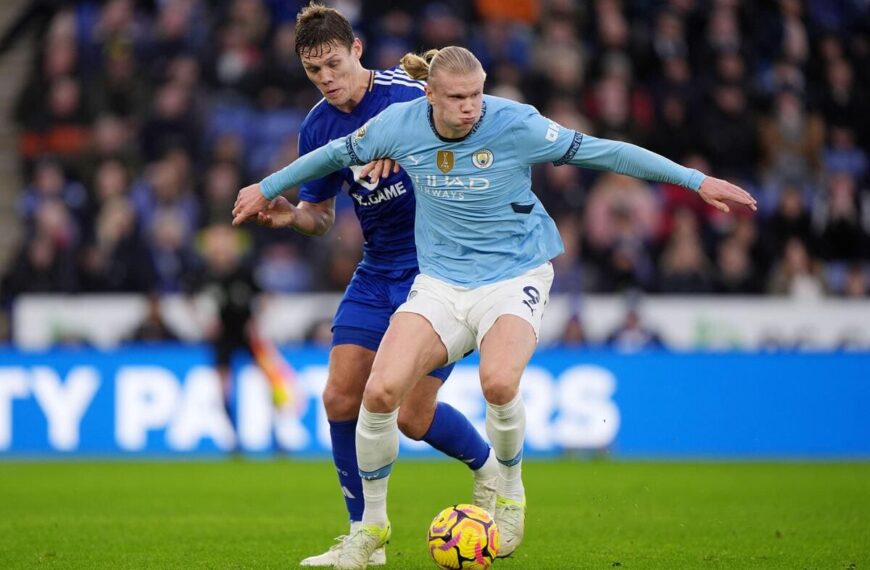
(352, 95)
(484, 245)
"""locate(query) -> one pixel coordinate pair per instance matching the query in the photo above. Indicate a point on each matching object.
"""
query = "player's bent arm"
(315, 218)
(308, 218)
(629, 159)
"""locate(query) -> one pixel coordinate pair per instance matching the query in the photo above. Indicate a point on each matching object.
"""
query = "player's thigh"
(410, 349)
(418, 407)
(349, 369)
(504, 354)
(364, 312)
(360, 321)
(508, 320)
(439, 304)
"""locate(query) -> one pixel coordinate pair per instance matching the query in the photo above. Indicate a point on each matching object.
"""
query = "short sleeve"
(540, 139)
(322, 188)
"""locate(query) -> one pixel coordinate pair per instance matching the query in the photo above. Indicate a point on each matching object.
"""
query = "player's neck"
(446, 131)
(362, 80)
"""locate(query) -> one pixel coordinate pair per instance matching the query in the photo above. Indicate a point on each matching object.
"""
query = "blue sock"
(343, 435)
(453, 434)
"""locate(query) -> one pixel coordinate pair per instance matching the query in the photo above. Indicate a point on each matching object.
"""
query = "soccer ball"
(463, 537)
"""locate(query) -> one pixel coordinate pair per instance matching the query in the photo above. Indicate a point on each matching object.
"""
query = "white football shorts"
(462, 316)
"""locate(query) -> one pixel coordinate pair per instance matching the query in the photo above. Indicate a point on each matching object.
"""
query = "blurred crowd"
(140, 120)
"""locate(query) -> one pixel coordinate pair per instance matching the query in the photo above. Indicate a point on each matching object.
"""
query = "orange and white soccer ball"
(463, 537)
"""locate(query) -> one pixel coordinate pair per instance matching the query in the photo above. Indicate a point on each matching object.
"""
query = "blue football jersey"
(478, 221)
(386, 209)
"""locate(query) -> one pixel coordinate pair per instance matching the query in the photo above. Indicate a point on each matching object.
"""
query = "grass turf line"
(239, 514)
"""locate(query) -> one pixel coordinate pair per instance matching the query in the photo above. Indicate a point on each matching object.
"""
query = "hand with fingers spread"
(717, 192)
(280, 213)
(249, 203)
(378, 169)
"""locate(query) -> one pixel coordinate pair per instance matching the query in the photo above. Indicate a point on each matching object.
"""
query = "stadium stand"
(139, 120)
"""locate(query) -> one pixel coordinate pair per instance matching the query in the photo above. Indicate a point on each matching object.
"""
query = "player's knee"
(380, 396)
(500, 393)
(498, 389)
(340, 404)
(412, 423)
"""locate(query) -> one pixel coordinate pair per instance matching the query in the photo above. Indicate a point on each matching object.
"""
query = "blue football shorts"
(369, 301)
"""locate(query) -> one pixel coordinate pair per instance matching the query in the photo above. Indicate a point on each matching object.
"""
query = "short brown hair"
(318, 26)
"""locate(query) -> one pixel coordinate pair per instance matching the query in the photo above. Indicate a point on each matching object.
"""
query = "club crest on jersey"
(482, 158)
(445, 160)
(361, 132)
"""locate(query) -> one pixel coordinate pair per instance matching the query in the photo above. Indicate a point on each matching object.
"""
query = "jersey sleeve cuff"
(269, 187)
(695, 179)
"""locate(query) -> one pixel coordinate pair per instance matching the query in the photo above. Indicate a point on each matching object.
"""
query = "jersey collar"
(460, 139)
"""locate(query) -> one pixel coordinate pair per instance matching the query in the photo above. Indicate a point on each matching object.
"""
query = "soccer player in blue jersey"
(484, 245)
(352, 95)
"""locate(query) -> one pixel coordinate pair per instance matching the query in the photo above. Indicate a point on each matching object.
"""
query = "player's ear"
(428, 91)
(356, 48)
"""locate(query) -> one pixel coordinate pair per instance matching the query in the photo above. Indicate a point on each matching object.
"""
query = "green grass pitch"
(582, 514)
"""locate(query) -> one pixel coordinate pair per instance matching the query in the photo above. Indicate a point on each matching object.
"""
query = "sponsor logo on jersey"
(444, 160)
(451, 187)
(482, 158)
(457, 182)
(381, 195)
(364, 182)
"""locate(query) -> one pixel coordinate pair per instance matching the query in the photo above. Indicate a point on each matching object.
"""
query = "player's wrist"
(696, 179)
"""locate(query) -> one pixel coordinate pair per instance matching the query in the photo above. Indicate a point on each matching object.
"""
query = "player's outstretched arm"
(632, 160)
(542, 140)
(316, 164)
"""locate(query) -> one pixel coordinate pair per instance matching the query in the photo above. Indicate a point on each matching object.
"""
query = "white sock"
(489, 468)
(506, 428)
(377, 446)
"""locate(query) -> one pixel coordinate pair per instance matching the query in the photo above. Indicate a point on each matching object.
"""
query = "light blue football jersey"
(477, 220)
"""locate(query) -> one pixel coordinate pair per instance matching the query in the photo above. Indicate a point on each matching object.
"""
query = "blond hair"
(451, 59)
